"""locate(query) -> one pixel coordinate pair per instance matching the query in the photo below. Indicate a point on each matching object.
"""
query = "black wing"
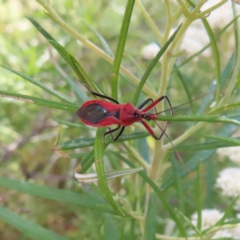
(92, 113)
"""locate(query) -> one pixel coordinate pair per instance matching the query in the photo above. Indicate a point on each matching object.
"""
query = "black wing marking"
(92, 113)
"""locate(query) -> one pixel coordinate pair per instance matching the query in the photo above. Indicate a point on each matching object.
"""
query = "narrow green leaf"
(101, 39)
(229, 140)
(183, 63)
(39, 101)
(75, 143)
(120, 47)
(199, 197)
(86, 142)
(227, 70)
(186, 220)
(231, 106)
(160, 194)
(89, 159)
(84, 78)
(40, 29)
(87, 162)
(41, 85)
(197, 118)
(111, 229)
(183, 81)
(150, 223)
(98, 154)
(28, 228)
(220, 143)
(92, 177)
(216, 56)
(227, 212)
(54, 194)
(178, 184)
(152, 65)
(201, 156)
(79, 93)
(202, 146)
(233, 221)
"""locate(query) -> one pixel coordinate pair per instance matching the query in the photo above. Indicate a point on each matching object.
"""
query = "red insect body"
(100, 113)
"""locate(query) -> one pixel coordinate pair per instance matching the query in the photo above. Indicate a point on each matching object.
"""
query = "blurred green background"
(28, 133)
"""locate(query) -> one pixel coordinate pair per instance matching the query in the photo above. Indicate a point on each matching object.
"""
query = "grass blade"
(86, 142)
(201, 156)
(150, 224)
(120, 47)
(152, 65)
(98, 153)
(199, 197)
(58, 195)
(101, 39)
(159, 193)
(28, 228)
(39, 101)
(41, 85)
(215, 55)
(198, 118)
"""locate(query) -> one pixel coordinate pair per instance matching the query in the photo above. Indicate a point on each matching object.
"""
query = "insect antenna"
(98, 94)
(170, 109)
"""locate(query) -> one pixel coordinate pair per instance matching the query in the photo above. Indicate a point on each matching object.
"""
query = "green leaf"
(208, 45)
(84, 78)
(227, 212)
(197, 118)
(159, 193)
(43, 86)
(184, 83)
(87, 162)
(86, 142)
(221, 142)
(120, 47)
(28, 228)
(186, 220)
(201, 146)
(178, 184)
(39, 101)
(101, 39)
(92, 177)
(152, 65)
(150, 223)
(229, 140)
(99, 164)
(227, 70)
(216, 56)
(40, 29)
(201, 156)
(199, 197)
(231, 106)
(111, 229)
(64, 196)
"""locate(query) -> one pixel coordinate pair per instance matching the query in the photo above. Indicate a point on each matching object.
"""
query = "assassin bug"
(101, 113)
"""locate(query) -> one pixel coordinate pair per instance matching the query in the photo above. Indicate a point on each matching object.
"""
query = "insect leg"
(111, 131)
(100, 95)
(153, 104)
(144, 103)
(152, 132)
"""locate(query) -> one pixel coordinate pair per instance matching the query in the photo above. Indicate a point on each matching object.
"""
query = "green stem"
(91, 46)
(209, 10)
(150, 22)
